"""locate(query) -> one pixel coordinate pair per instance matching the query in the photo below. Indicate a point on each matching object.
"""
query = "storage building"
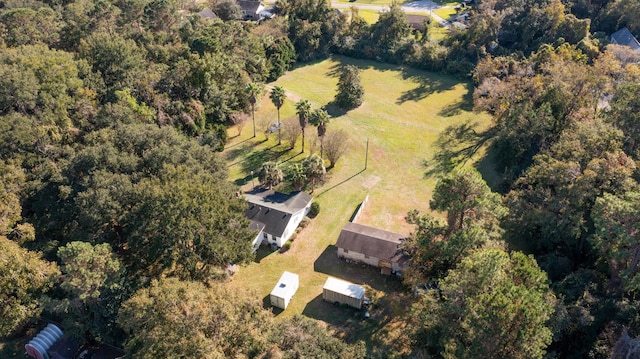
(285, 289)
(343, 292)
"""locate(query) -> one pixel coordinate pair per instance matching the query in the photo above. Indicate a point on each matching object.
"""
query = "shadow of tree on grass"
(455, 146)
(334, 110)
(453, 109)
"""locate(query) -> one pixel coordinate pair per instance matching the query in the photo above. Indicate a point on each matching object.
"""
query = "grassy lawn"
(388, 2)
(438, 32)
(445, 12)
(370, 16)
(370, 2)
(403, 113)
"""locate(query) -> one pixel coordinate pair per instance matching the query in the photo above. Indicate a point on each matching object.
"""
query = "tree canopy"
(495, 304)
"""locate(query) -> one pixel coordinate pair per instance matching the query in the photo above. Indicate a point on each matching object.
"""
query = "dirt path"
(293, 97)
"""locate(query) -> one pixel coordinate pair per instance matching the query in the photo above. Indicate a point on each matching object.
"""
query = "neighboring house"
(625, 37)
(208, 14)
(342, 292)
(280, 213)
(257, 226)
(284, 290)
(251, 9)
(372, 246)
(417, 22)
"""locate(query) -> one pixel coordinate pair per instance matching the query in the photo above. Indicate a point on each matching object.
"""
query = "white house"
(284, 290)
(342, 292)
(279, 213)
(375, 247)
(251, 9)
(257, 240)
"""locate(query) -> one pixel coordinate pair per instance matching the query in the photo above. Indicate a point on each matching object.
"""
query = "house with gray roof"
(280, 213)
(625, 37)
(207, 13)
(251, 9)
(375, 247)
(257, 240)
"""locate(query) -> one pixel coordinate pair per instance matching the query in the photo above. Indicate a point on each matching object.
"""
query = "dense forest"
(117, 219)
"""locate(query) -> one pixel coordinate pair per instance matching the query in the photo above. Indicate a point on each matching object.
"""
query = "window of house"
(266, 236)
(346, 250)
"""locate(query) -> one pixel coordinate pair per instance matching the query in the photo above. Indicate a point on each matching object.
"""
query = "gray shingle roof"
(251, 7)
(369, 241)
(624, 37)
(208, 14)
(274, 209)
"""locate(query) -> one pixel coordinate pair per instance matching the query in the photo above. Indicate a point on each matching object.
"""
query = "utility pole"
(366, 155)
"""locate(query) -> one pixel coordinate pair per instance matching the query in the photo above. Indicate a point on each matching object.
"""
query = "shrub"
(285, 247)
(304, 223)
(314, 209)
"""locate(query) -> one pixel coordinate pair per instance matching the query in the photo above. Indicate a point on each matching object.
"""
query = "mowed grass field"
(403, 114)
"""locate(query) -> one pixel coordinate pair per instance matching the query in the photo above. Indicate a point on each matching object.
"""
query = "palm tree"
(320, 119)
(270, 174)
(314, 165)
(253, 90)
(277, 97)
(297, 175)
(303, 109)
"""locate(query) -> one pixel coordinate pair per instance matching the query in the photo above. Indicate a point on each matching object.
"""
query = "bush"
(285, 247)
(314, 209)
(304, 223)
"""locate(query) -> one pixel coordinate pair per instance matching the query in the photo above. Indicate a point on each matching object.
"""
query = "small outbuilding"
(285, 289)
(375, 247)
(343, 292)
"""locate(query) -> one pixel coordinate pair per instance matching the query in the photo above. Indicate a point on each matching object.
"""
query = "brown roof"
(369, 241)
(416, 21)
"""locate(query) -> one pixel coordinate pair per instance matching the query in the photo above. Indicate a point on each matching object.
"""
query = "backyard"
(402, 118)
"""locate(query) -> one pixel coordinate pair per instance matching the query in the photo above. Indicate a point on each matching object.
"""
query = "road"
(421, 6)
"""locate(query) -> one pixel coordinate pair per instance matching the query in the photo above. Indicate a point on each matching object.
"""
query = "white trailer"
(343, 292)
(284, 290)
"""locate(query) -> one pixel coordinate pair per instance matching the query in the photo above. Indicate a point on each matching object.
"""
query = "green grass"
(370, 16)
(445, 12)
(403, 113)
(438, 32)
(369, 2)
(389, 2)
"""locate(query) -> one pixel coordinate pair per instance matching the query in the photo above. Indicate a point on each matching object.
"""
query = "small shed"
(343, 292)
(284, 290)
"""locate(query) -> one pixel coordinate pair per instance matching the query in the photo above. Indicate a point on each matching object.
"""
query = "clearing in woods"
(404, 113)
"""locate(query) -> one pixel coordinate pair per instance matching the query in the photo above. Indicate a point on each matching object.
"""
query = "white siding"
(358, 257)
(343, 292)
(284, 290)
(295, 220)
(257, 241)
